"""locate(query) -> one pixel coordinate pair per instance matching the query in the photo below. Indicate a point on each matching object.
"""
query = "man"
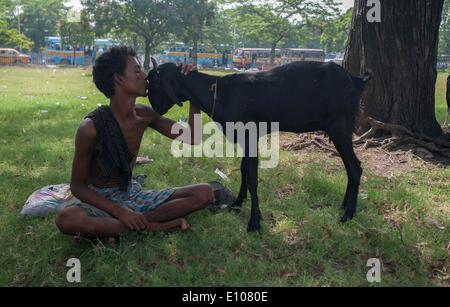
(107, 144)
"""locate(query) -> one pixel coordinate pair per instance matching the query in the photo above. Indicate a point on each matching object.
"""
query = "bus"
(56, 53)
(246, 58)
(290, 55)
(183, 54)
(100, 46)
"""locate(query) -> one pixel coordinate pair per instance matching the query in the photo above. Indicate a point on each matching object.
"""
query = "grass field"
(403, 221)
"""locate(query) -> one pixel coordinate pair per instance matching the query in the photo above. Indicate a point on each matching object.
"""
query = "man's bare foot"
(184, 225)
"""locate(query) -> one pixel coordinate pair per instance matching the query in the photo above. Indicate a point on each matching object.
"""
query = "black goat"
(301, 97)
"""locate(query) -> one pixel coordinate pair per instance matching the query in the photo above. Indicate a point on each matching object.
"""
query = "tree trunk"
(147, 54)
(272, 53)
(135, 43)
(401, 53)
(195, 54)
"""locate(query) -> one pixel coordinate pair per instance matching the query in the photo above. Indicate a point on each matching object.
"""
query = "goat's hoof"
(238, 202)
(235, 209)
(254, 227)
(347, 217)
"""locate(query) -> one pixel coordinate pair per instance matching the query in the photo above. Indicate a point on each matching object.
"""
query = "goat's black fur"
(301, 97)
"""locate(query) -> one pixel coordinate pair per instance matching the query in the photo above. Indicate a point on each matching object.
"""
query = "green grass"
(441, 104)
(302, 243)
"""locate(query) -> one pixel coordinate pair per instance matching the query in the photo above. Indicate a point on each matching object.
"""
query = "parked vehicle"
(12, 56)
(181, 53)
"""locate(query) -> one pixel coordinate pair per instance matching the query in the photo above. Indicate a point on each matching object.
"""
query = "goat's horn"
(155, 64)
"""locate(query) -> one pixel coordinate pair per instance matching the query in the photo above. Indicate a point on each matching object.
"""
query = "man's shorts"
(135, 199)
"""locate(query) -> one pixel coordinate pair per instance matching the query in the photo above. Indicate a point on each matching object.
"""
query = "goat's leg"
(343, 141)
(244, 185)
(255, 218)
(345, 202)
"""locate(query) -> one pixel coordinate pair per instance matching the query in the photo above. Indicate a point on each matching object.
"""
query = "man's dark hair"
(112, 61)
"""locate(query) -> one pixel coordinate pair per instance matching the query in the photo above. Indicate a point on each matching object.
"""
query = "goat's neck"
(200, 90)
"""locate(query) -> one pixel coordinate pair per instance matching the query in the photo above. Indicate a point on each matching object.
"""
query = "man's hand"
(186, 68)
(133, 220)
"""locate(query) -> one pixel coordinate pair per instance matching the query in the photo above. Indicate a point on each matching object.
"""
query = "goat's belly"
(296, 128)
(292, 117)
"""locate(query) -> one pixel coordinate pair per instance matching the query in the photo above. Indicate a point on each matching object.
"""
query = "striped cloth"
(135, 199)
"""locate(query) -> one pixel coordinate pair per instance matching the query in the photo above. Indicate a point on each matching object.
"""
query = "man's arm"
(84, 148)
(164, 125)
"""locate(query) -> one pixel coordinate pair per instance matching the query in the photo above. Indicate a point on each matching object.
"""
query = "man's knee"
(70, 221)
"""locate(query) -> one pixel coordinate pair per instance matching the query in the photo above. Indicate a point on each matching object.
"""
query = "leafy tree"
(12, 38)
(192, 17)
(444, 34)
(220, 34)
(8, 12)
(274, 20)
(102, 15)
(335, 33)
(40, 19)
(150, 20)
(76, 34)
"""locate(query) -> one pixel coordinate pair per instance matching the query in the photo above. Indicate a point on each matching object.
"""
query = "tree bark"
(147, 54)
(135, 43)
(273, 53)
(195, 54)
(401, 52)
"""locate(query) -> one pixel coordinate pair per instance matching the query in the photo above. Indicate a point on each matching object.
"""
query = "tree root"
(305, 141)
(400, 135)
(325, 147)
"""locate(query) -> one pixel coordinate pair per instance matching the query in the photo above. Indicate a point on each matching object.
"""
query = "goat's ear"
(153, 78)
(154, 64)
(168, 88)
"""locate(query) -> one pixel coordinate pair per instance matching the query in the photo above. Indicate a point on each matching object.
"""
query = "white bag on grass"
(48, 200)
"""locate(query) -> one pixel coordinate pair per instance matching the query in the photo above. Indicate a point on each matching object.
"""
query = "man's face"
(134, 78)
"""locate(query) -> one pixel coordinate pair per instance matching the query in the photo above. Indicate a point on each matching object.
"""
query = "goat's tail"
(359, 86)
(360, 82)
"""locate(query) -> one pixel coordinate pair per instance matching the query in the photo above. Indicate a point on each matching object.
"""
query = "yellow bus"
(183, 54)
(245, 58)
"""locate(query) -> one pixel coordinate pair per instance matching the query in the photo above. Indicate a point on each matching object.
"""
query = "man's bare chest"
(133, 134)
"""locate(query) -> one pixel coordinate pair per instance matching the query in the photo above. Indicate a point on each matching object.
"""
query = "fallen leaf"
(221, 271)
(143, 160)
(290, 274)
(221, 174)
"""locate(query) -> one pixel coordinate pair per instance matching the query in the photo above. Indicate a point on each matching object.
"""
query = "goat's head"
(164, 87)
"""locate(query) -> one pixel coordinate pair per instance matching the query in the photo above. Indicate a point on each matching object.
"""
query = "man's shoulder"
(146, 111)
(87, 129)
